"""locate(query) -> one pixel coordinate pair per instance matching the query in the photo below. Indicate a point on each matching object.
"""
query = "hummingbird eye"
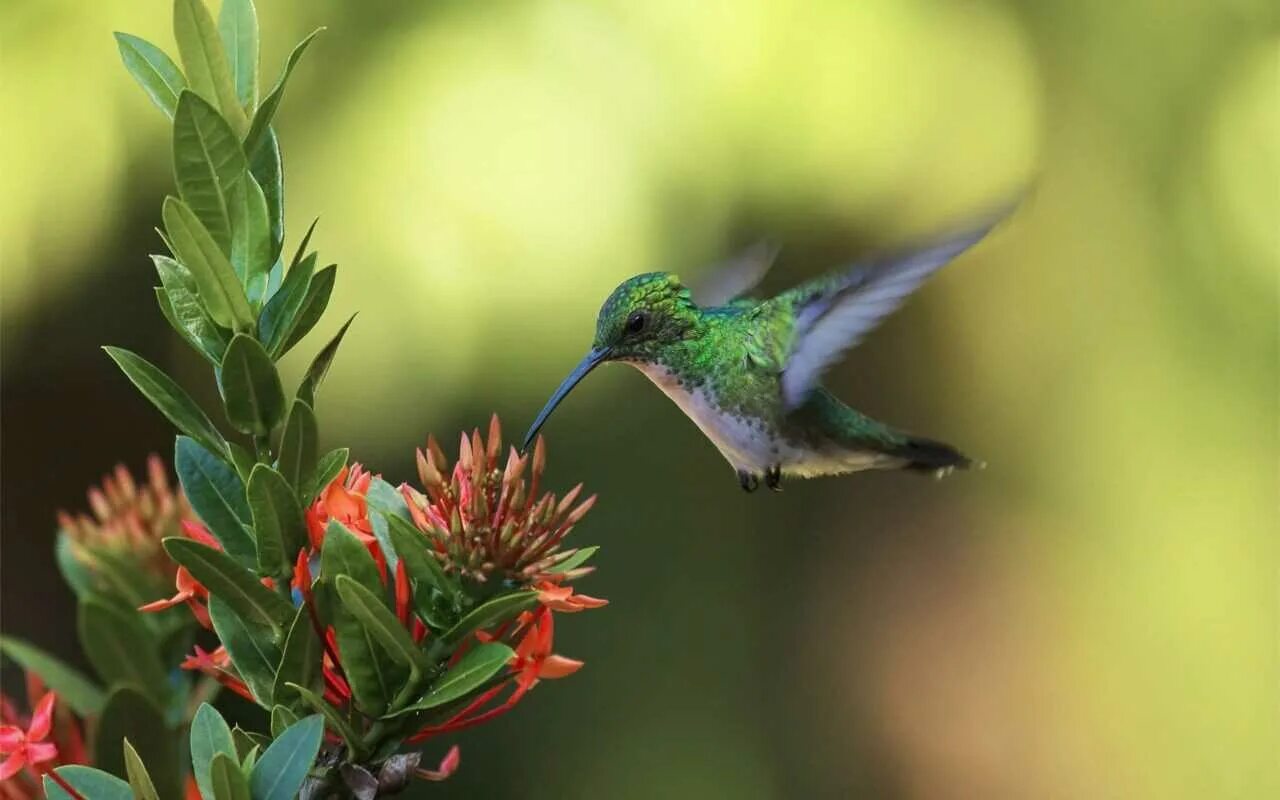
(636, 322)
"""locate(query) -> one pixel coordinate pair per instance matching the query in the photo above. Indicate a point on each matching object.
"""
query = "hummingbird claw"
(773, 477)
(749, 481)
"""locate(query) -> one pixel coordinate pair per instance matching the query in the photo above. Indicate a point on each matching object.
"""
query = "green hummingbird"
(748, 372)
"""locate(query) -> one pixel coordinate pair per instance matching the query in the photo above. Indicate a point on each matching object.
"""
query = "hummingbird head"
(639, 320)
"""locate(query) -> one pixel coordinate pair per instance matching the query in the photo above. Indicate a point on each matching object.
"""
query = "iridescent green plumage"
(747, 372)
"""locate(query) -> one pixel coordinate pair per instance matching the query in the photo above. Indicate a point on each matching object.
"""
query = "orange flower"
(562, 598)
(344, 500)
(190, 591)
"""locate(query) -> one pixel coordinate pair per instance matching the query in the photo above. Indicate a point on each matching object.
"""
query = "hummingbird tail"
(927, 455)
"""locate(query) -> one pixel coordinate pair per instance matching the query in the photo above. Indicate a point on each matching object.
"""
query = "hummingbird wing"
(730, 279)
(833, 313)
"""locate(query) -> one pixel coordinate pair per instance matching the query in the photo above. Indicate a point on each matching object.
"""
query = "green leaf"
(250, 387)
(139, 779)
(251, 244)
(217, 495)
(208, 164)
(88, 783)
(131, 717)
(312, 308)
(168, 397)
(73, 570)
(82, 695)
(574, 561)
(237, 586)
(268, 171)
(320, 366)
(205, 61)
(280, 772)
(476, 666)
(383, 624)
(331, 716)
(219, 288)
(374, 677)
(243, 460)
(414, 549)
(238, 25)
(298, 447)
(497, 610)
(326, 469)
(281, 718)
(343, 554)
(250, 644)
(228, 782)
(120, 650)
(210, 350)
(300, 661)
(210, 736)
(154, 71)
(385, 500)
(262, 119)
(281, 310)
(277, 519)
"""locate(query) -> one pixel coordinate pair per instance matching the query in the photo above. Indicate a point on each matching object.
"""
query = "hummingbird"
(748, 372)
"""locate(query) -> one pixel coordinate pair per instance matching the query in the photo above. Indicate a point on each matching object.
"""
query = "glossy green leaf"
(88, 783)
(414, 549)
(250, 386)
(262, 119)
(209, 350)
(282, 717)
(268, 171)
(249, 642)
(326, 469)
(282, 309)
(331, 716)
(300, 661)
(242, 460)
(277, 519)
(131, 715)
(298, 446)
(208, 165)
(280, 772)
(81, 694)
(493, 612)
(228, 782)
(154, 71)
(218, 287)
(320, 366)
(384, 499)
(312, 308)
(301, 253)
(476, 667)
(251, 245)
(182, 307)
(120, 649)
(238, 26)
(217, 495)
(383, 624)
(574, 561)
(205, 62)
(237, 586)
(210, 736)
(139, 778)
(343, 554)
(168, 397)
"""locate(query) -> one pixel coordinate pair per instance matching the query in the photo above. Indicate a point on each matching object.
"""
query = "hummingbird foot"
(749, 481)
(773, 477)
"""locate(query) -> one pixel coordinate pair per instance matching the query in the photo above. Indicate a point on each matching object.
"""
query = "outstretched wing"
(832, 314)
(731, 279)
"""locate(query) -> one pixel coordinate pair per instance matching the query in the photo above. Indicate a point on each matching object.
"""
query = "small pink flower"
(29, 746)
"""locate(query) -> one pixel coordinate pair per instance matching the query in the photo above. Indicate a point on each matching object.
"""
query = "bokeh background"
(1095, 615)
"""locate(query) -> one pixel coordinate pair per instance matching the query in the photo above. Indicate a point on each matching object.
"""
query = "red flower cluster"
(131, 518)
(33, 745)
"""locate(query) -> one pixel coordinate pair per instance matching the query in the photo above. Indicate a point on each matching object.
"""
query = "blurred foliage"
(1093, 615)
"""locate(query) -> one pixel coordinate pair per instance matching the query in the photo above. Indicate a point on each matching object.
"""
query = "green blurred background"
(1095, 615)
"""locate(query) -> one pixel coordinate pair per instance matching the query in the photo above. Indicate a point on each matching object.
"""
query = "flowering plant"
(365, 618)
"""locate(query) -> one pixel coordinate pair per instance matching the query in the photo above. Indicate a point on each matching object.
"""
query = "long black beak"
(590, 362)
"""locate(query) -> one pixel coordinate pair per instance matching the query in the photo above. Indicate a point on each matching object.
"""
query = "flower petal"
(13, 764)
(42, 718)
(40, 752)
(11, 738)
(558, 667)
